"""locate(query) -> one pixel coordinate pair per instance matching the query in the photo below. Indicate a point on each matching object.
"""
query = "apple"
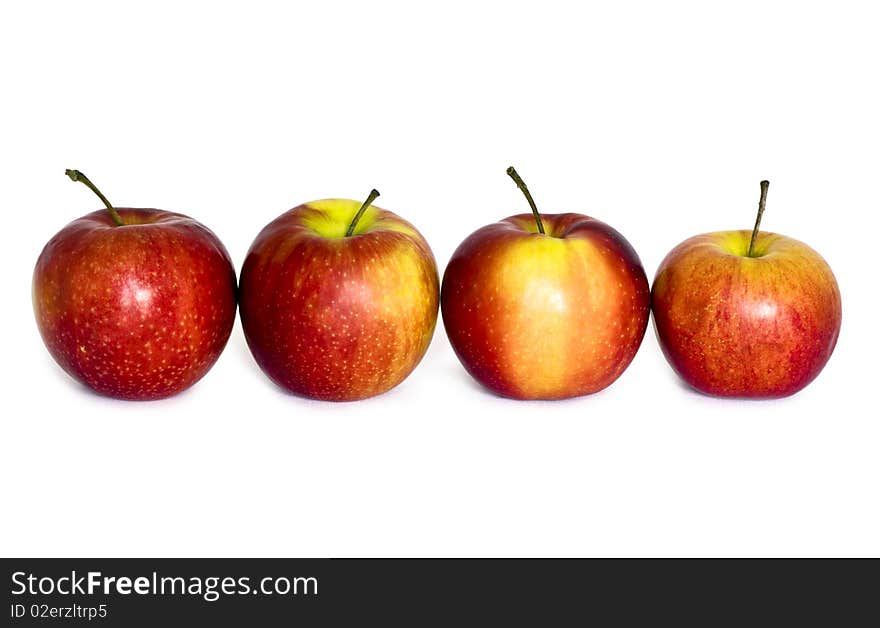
(746, 314)
(339, 299)
(545, 306)
(134, 303)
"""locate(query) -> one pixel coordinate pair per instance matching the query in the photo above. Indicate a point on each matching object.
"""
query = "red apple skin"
(139, 311)
(549, 316)
(737, 326)
(338, 318)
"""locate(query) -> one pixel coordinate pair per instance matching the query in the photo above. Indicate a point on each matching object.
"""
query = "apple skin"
(737, 326)
(139, 311)
(338, 318)
(545, 316)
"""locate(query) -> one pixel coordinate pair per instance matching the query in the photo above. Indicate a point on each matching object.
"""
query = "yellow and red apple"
(746, 313)
(545, 306)
(134, 303)
(339, 299)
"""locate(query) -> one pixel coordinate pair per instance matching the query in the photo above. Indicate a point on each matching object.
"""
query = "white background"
(659, 118)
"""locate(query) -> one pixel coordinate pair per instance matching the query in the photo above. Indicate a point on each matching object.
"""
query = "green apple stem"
(525, 190)
(76, 175)
(761, 204)
(374, 194)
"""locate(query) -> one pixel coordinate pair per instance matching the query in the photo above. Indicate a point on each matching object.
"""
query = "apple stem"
(761, 204)
(76, 175)
(525, 190)
(374, 194)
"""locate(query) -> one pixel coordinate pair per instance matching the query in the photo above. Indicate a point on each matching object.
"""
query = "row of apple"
(339, 300)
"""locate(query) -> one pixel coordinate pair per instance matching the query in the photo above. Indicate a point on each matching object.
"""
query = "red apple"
(134, 303)
(545, 306)
(746, 314)
(339, 299)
